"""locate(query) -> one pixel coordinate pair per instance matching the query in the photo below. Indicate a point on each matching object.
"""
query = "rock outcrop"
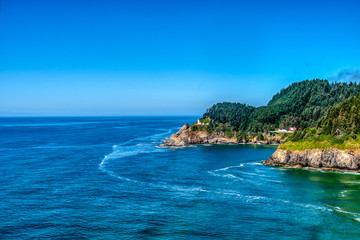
(329, 159)
(185, 137)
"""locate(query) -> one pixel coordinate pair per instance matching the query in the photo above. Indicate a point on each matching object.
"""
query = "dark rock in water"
(330, 159)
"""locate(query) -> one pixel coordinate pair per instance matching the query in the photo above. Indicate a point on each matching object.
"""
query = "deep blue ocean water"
(104, 178)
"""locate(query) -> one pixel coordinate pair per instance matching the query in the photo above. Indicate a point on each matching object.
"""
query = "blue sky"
(71, 58)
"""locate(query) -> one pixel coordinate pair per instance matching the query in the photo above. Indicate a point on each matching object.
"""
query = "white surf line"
(254, 163)
(250, 198)
(212, 173)
(111, 173)
(226, 168)
(118, 154)
(355, 216)
(253, 174)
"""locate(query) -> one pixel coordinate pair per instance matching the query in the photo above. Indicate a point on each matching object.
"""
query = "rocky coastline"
(186, 137)
(327, 159)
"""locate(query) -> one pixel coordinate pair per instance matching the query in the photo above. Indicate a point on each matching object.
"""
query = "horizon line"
(100, 116)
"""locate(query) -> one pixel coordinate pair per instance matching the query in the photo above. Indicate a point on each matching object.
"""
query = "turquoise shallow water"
(104, 178)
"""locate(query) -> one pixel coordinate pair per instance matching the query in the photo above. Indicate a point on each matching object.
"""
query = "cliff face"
(330, 159)
(185, 137)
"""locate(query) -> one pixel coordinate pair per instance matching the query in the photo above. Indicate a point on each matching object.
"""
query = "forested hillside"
(340, 128)
(300, 105)
(236, 114)
(343, 119)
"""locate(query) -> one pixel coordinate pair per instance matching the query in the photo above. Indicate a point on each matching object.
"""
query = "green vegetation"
(229, 132)
(323, 142)
(234, 114)
(260, 136)
(205, 120)
(300, 105)
(195, 127)
(339, 128)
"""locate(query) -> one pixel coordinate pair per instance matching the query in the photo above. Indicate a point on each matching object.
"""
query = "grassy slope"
(322, 142)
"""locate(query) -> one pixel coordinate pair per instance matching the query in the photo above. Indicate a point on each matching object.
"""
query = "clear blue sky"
(73, 57)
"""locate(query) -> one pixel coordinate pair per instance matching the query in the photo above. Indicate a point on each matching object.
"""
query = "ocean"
(105, 178)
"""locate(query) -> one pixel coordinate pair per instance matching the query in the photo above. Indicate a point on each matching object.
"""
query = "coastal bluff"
(327, 159)
(185, 137)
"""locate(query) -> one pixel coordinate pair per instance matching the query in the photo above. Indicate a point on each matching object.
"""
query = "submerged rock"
(330, 159)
